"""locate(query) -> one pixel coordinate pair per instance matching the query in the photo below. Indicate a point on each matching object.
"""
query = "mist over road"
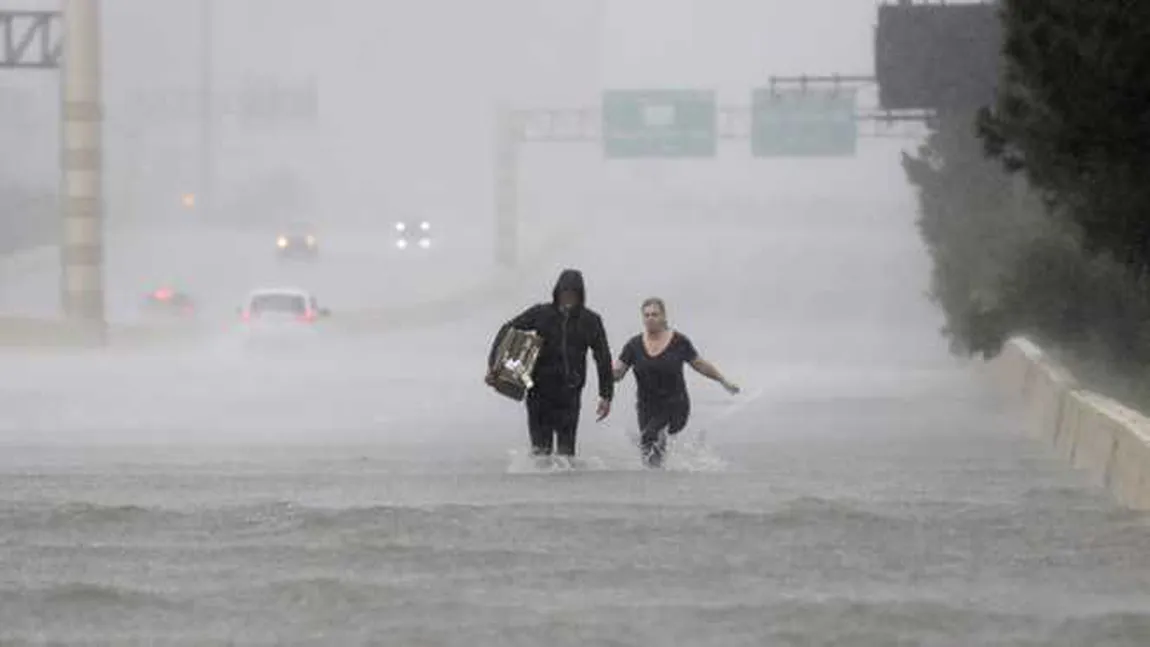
(865, 487)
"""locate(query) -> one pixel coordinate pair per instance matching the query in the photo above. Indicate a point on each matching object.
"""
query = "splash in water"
(691, 453)
(686, 452)
(522, 462)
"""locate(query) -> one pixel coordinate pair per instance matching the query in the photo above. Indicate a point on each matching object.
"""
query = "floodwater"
(864, 489)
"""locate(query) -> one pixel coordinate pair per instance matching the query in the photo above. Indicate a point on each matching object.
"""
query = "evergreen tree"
(1073, 113)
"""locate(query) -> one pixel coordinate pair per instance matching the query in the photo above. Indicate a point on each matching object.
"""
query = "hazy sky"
(734, 43)
(406, 89)
(437, 50)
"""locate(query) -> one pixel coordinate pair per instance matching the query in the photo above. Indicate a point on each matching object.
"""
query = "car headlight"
(310, 241)
(401, 243)
(400, 227)
(425, 242)
(425, 225)
(281, 242)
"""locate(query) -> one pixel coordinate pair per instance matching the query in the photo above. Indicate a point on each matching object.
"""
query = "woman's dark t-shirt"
(659, 378)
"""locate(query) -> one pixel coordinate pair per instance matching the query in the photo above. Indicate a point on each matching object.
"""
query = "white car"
(282, 307)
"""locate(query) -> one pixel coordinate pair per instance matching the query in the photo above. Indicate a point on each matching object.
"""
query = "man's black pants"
(552, 420)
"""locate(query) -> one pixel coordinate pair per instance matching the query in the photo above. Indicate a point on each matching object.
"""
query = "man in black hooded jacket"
(568, 328)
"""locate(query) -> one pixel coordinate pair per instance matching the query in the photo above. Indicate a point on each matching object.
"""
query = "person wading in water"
(657, 355)
(569, 329)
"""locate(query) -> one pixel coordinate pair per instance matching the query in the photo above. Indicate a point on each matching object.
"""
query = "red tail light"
(308, 316)
(246, 315)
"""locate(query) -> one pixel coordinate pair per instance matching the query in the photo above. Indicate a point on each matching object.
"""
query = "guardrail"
(1107, 440)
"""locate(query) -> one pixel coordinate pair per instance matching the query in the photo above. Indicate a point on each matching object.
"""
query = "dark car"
(300, 243)
(169, 302)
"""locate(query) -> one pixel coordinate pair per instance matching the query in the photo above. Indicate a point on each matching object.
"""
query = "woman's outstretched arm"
(709, 370)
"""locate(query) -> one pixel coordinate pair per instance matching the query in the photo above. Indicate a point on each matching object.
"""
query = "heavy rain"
(243, 396)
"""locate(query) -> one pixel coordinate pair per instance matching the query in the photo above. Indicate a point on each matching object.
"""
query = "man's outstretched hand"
(603, 410)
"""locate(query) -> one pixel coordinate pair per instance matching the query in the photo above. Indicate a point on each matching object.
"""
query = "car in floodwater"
(282, 309)
(413, 235)
(297, 242)
(169, 302)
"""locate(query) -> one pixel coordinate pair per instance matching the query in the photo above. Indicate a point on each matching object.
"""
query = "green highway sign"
(803, 122)
(659, 123)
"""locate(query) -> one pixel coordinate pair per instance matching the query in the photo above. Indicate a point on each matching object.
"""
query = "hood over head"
(570, 279)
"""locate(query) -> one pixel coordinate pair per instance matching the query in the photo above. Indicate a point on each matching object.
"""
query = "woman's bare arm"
(709, 370)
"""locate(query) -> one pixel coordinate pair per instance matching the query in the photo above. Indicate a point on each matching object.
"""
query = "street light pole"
(507, 142)
(82, 178)
(205, 201)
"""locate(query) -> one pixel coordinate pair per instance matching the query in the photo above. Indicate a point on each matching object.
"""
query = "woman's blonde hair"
(655, 301)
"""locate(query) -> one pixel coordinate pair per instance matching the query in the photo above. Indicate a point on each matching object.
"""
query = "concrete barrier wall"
(33, 333)
(1105, 439)
(45, 335)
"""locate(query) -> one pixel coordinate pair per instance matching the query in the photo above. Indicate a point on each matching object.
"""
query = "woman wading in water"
(657, 355)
